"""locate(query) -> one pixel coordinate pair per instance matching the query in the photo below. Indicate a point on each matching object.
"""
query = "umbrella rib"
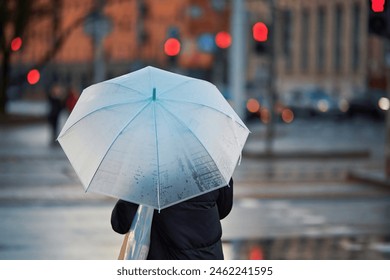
(185, 126)
(119, 85)
(176, 86)
(158, 157)
(116, 137)
(204, 105)
(105, 107)
(156, 140)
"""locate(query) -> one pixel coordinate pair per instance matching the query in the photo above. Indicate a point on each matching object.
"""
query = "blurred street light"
(260, 32)
(172, 47)
(16, 44)
(223, 39)
(33, 76)
(384, 103)
(287, 115)
(252, 105)
(378, 5)
(379, 18)
(205, 43)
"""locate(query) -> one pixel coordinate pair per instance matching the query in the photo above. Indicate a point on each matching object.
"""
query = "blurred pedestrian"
(187, 230)
(56, 98)
(71, 99)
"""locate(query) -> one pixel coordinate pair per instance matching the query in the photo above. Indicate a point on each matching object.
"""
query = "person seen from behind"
(190, 230)
(56, 98)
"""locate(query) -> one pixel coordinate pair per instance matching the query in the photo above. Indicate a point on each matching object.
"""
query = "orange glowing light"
(256, 253)
(253, 105)
(223, 39)
(16, 44)
(172, 47)
(265, 115)
(33, 76)
(287, 115)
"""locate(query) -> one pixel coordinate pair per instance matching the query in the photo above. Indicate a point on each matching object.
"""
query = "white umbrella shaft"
(139, 235)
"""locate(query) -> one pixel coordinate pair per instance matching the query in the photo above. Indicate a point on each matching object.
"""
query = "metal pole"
(270, 131)
(99, 65)
(101, 26)
(387, 143)
(237, 57)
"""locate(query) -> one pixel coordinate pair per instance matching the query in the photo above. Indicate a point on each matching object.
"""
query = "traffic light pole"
(270, 129)
(379, 24)
(98, 26)
(387, 140)
(237, 57)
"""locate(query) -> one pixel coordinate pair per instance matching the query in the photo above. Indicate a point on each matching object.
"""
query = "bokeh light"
(287, 115)
(223, 39)
(172, 47)
(16, 44)
(384, 103)
(378, 5)
(33, 76)
(260, 32)
(265, 115)
(253, 105)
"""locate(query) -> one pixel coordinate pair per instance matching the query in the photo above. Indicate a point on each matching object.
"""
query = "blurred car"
(372, 103)
(316, 101)
(260, 109)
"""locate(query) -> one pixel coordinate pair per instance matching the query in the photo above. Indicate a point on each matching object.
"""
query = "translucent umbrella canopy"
(153, 137)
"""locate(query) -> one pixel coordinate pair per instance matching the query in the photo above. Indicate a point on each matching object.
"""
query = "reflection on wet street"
(66, 232)
(301, 204)
(309, 229)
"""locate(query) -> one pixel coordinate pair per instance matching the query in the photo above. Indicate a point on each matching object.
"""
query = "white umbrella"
(153, 137)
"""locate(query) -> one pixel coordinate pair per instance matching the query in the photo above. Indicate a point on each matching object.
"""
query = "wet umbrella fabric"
(153, 137)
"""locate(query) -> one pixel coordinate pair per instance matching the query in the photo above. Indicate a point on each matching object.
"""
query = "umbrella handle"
(123, 247)
(137, 247)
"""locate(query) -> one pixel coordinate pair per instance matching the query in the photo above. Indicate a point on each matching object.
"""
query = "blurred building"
(322, 43)
(136, 33)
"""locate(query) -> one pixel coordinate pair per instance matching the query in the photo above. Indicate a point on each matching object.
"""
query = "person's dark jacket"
(188, 230)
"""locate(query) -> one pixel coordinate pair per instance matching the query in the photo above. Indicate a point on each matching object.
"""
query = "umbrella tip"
(154, 94)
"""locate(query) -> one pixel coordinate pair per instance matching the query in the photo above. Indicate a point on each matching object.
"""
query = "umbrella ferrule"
(154, 94)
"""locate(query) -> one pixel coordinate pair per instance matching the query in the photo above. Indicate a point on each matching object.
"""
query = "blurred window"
(321, 36)
(356, 26)
(287, 37)
(305, 33)
(338, 28)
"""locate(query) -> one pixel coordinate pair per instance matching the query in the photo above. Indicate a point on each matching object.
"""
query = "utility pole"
(387, 143)
(237, 56)
(270, 129)
(98, 26)
(379, 24)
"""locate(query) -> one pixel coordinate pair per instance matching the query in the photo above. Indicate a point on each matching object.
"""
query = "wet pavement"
(290, 206)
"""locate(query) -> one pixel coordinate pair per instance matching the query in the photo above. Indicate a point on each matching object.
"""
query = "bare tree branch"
(58, 43)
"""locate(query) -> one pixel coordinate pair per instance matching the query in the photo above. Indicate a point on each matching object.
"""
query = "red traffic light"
(378, 6)
(172, 47)
(16, 44)
(223, 39)
(33, 76)
(260, 32)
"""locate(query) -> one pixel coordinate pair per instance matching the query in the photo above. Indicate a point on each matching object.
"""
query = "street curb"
(307, 154)
(13, 119)
(314, 196)
(368, 177)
